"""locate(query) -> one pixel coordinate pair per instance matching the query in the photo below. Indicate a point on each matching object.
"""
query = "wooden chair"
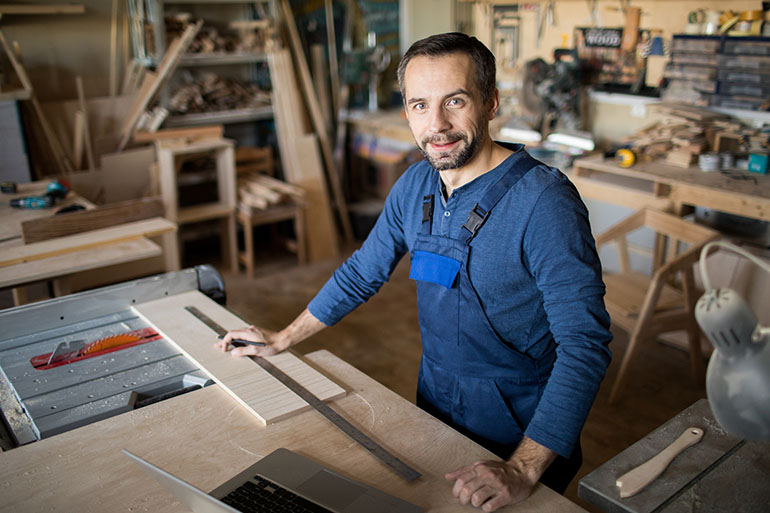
(649, 306)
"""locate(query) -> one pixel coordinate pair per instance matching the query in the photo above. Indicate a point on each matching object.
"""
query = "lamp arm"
(760, 331)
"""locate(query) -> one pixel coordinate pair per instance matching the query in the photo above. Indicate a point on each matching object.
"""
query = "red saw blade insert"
(97, 348)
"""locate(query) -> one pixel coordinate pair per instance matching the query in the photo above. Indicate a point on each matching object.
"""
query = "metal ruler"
(321, 407)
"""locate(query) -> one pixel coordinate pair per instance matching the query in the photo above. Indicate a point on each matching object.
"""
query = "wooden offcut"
(250, 385)
(45, 228)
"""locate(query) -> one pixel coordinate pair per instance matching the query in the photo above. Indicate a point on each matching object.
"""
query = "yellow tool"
(625, 157)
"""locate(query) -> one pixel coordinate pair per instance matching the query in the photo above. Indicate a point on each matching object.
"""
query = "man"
(512, 319)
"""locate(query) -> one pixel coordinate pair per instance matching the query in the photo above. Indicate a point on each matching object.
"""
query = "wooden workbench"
(663, 186)
(205, 437)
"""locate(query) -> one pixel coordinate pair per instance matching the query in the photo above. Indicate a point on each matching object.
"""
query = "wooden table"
(719, 473)
(663, 186)
(205, 437)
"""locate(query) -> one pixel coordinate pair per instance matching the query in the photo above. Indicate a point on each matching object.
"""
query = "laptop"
(281, 481)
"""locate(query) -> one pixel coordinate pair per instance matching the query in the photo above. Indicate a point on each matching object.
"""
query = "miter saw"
(550, 94)
(74, 360)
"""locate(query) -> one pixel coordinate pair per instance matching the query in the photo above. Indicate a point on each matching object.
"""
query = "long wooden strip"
(249, 384)
(86, 126)
(95, 238)
(44, 228)
(318, 122)
(76, 261)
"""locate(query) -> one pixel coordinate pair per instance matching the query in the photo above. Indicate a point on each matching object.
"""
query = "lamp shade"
(738, 375)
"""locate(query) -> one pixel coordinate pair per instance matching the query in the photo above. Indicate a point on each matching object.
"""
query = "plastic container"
(744, 89)
(737, 102)
(703, 59)
(743, 47)
(688, 72)
(697, 44)
(746, 77)
(745, 62)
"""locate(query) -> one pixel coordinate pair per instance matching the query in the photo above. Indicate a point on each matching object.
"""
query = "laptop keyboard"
(267, 497)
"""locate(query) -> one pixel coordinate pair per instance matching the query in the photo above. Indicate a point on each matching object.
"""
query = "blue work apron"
(482, 385)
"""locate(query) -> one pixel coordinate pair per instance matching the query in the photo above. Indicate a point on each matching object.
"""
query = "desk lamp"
(738, 375)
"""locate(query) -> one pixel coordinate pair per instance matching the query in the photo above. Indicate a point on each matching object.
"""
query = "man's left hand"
(490, 484)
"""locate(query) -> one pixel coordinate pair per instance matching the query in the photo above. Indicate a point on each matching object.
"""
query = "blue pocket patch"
(434, 268)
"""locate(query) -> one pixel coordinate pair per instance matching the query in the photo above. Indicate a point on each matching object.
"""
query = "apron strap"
(427, 214)
(480, 211)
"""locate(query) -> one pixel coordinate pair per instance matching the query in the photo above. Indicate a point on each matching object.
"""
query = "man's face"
(445, 110)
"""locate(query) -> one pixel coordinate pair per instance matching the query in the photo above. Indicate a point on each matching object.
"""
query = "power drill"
(55, 191)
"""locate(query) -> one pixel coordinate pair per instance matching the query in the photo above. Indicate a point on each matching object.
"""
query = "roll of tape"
(709, 162)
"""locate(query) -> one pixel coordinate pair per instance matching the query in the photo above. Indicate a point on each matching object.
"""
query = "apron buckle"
(476, 218)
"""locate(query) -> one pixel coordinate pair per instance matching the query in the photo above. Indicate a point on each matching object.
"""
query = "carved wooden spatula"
(636, 479)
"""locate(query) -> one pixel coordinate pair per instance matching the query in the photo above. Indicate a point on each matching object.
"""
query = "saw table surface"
(718, 474)
(205, 437)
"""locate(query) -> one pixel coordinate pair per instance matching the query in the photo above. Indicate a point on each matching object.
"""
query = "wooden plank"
(78, 261)
(77, 140)
(318, 123)
(113, 83)
(334, 69)
(153, 83)
(44, 228)
(41, 9)
(86, 126)
(250, 385)
(95, 238)
(198, 132)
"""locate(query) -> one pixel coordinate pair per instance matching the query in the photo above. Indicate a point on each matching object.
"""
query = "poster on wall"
(605, 62)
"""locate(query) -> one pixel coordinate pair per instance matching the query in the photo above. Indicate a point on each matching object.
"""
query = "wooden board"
(264, 396)
(78, 261)
(198, 132)
(126, 175)
(94, 238)
(44, 228)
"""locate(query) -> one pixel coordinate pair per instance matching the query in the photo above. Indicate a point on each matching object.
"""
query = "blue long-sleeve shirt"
(535, 269)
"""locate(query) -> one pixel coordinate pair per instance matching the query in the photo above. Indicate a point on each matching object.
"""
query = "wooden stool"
(249, 217)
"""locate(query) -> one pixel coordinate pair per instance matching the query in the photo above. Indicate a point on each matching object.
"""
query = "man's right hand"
(271, 339)
(304, 326)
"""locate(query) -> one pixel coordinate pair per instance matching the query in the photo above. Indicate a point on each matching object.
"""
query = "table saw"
(74, 360)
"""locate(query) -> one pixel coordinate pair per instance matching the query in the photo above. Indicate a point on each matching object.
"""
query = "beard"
(455, 158)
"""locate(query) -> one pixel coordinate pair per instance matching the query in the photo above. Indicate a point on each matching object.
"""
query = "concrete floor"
(381, 338)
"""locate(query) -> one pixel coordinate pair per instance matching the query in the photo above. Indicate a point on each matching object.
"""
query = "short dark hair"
(454, 42)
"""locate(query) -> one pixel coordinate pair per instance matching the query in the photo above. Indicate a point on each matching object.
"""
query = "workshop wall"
(670, 16)
(57, 47)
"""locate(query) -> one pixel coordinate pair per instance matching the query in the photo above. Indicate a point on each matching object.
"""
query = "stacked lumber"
(685, 132)
(259, 191)
(243, 36)
(208, 92)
